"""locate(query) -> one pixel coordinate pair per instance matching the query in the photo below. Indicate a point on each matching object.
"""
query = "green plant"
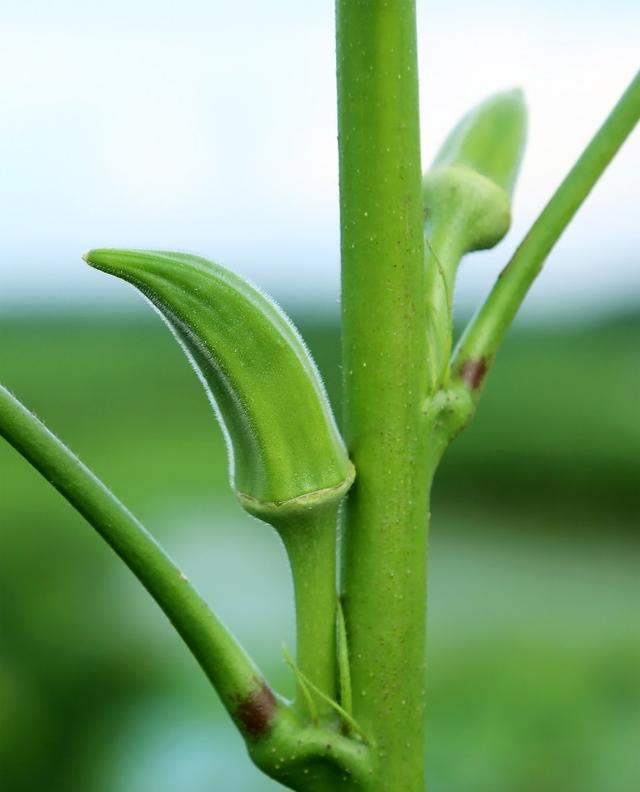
(357, 719)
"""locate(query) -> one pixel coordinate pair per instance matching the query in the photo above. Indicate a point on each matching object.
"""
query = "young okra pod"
(285, 452)
(471, 180)
(467, 204)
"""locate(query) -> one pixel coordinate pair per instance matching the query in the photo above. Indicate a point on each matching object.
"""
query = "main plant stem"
(384, 360)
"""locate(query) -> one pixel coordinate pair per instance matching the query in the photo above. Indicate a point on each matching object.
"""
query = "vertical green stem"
(311, 546)
(384, 351)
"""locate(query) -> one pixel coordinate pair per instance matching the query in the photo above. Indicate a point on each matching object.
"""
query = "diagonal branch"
(242, 689)
(269, 725)
(478, 345)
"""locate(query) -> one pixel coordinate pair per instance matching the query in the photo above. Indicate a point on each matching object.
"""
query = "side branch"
(479, 343)
(271, 728)
(244, 692)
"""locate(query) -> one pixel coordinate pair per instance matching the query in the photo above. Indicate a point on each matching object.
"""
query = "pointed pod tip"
(490, 139)
(286, 454)
(515, 94)
(103, 258)
(512, 102)
(119, 262)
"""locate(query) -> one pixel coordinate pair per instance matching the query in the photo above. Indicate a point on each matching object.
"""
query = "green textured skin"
(284, 448)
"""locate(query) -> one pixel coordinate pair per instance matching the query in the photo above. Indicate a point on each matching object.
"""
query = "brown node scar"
(473, 372)
(256, 710)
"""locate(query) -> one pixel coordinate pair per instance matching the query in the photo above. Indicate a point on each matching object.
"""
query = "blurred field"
(534, 642)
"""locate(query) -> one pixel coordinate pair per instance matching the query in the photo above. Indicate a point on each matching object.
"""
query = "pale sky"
(210, 126)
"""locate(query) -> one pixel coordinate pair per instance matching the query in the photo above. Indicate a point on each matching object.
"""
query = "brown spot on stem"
(255, 711)
(473, 372)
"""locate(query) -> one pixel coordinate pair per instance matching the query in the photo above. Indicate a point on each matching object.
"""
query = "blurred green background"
(534, 628)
